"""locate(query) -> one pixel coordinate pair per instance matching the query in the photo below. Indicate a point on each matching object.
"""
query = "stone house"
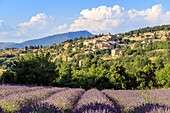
(116, 52)
(81, 62)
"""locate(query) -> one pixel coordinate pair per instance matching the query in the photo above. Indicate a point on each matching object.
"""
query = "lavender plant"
(39, 108)
(128, 99)
(96, 108)
(64, 100)
(151, 108)
(10, 87)
(131, 99)
(160, 110)
(93, 96)
(14, 102)
(160, 97)
(21, 89)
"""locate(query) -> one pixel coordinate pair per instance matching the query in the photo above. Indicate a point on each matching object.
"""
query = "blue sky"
(22, 20)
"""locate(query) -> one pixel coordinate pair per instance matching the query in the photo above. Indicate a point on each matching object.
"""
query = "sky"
(22, 20)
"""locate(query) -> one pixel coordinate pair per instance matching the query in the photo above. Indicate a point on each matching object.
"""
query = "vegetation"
(30, 69)
(146, 30)
(142, 64)
(28, 99)
(1, 72)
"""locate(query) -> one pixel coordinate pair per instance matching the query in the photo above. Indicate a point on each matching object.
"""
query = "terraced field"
(25, 99)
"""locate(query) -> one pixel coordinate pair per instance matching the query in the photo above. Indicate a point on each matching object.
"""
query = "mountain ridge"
(48, 40)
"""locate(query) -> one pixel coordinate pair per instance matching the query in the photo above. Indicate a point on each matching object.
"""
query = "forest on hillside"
(133, 70)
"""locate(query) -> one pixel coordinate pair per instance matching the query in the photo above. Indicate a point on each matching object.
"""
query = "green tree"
(145, 77)
(33, 70)
(65, 75)
(118, 77)
(163, 76)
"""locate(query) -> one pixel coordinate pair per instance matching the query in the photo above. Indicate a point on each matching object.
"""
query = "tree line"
(125, 73)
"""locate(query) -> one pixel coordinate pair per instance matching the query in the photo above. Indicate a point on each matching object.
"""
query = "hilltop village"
(113, 44)
(98, 45)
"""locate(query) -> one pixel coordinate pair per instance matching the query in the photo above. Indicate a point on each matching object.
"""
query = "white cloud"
(153, 14)
(39, 19)
(98, 19)
(62, 27)
(118, 19)
(166, 18)
(150, 15)
(38, 26)
(35, 26)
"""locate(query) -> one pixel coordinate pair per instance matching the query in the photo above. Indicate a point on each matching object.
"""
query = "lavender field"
(25, 99)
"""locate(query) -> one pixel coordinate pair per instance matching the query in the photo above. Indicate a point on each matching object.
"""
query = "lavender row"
(151, 108)
(39, 108)
(9, 87)
(6, 86)
(131, 99)
(96, 108)
(7, 91)
(93, 96)
(47, 108)
(16, 101)
(159, 97)
(64, 100)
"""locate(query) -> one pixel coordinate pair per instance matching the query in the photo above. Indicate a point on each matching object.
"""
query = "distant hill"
(4, 45)
(47, 41)
(57, 38)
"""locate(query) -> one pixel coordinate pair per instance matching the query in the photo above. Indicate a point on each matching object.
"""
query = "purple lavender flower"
(151, 108)
(131, 99)
(96, 108)
(5, 91)
(160, 96)
(128, 99)
(39, 108)
(160, 110)
(93, 96)
(65, 100)
(16, 101)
